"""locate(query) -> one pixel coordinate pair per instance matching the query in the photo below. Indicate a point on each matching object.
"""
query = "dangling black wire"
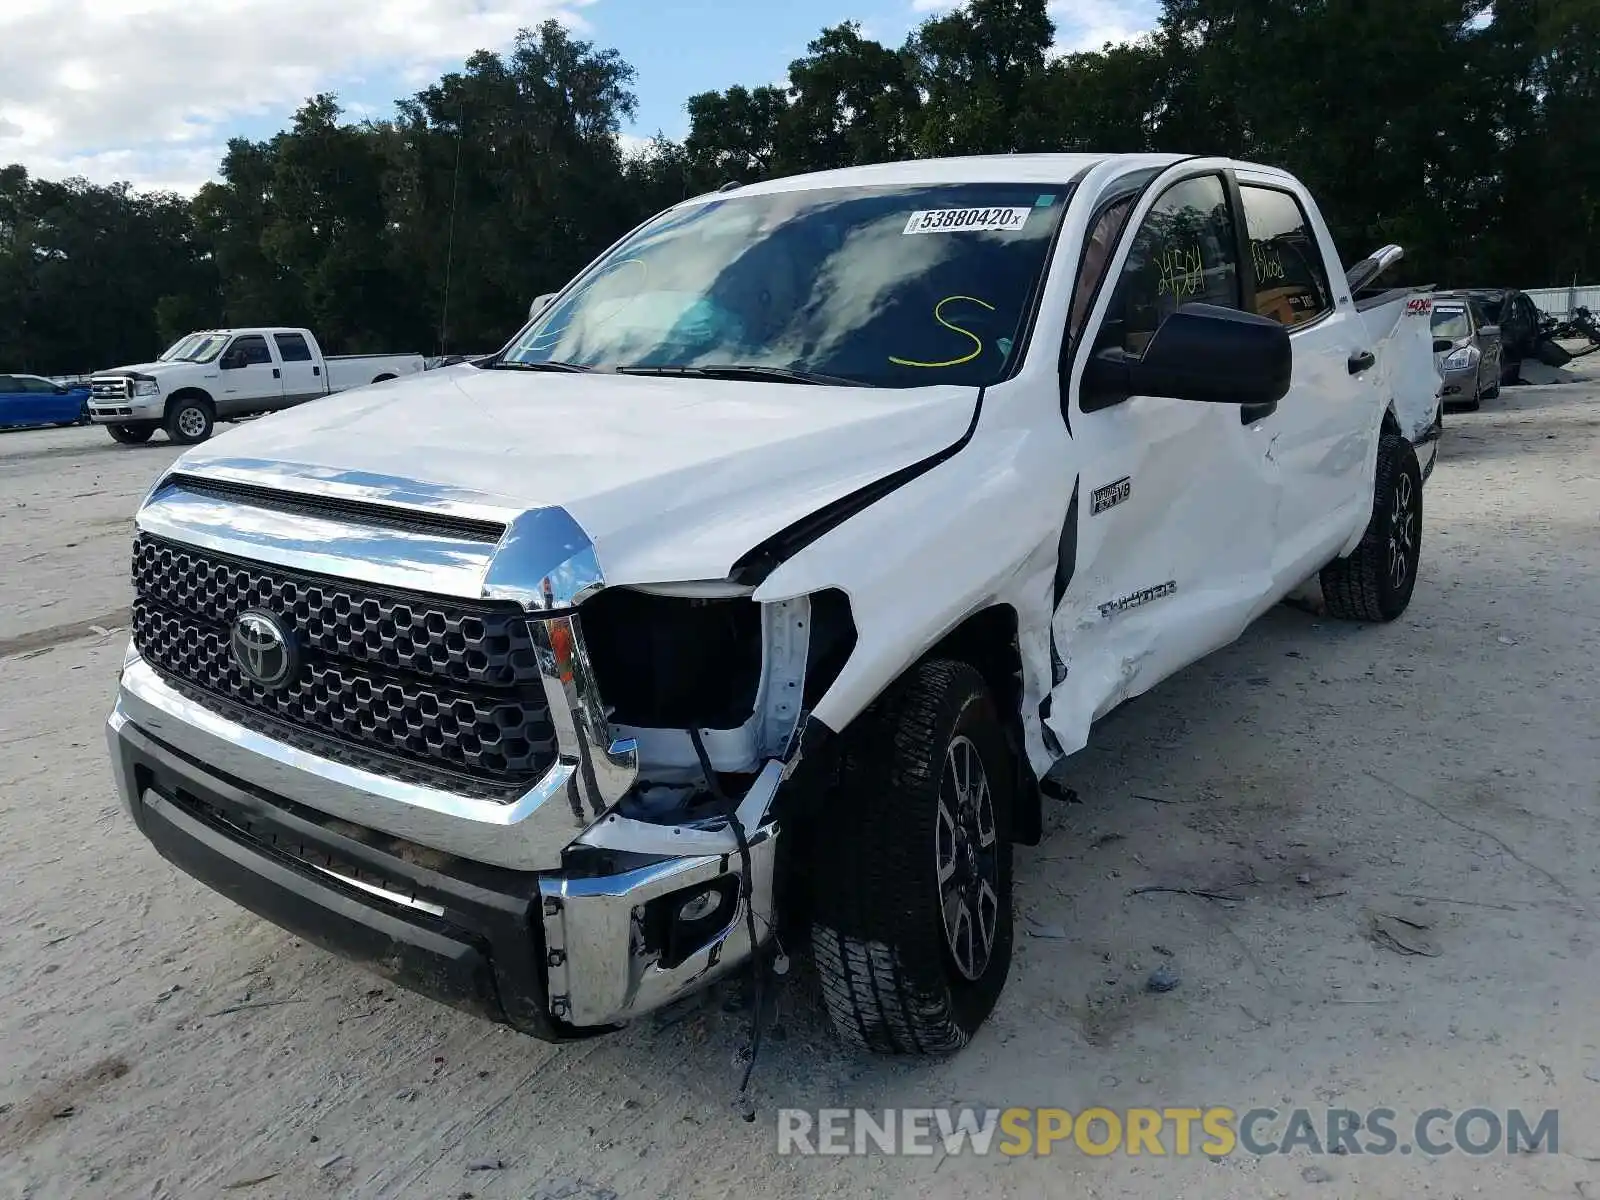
(746, 888)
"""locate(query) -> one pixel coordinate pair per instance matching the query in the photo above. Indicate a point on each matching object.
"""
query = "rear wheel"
(1375, 583)
(130, 435)
(912, 916)
(189, 420)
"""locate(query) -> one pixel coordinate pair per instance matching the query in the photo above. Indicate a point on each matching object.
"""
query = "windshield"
(200, 347)
(176, 349)
(1451, 323)
(887, 286)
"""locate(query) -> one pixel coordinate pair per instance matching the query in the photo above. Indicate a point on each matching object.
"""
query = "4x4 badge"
(1110, 496)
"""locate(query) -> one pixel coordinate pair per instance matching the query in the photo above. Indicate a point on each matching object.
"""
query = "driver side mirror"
(1489, 331)
(231, 361)
(539, 304)
(1201, 352)
(1440, 345)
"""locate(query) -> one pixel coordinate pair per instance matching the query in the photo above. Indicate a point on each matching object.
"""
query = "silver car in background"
(1465, 353)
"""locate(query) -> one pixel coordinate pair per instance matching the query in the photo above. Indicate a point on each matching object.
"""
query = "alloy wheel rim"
(1402, 532)
(967, 858)
(191, 422)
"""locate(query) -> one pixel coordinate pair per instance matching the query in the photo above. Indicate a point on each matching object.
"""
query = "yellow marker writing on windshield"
(938, 315)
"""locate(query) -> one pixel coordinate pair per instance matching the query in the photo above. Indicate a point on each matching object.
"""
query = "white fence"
(1558, 302)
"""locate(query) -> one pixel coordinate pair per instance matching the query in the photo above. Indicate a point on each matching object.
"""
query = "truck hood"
(149, 370)
(672, 478)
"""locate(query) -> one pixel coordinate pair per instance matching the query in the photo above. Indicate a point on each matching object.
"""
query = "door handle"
(276, 374)
(1360, 361)
(316, 370)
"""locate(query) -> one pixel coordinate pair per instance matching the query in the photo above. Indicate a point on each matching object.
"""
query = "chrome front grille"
(109, 389)
(399, 683)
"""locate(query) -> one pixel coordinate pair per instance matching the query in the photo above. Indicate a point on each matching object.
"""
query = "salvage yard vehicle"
(1525, 331)
(223, 374)
(747, 595)
(35, 400)
(1466, 353)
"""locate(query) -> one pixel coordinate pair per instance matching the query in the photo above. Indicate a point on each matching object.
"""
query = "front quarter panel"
(979, 529)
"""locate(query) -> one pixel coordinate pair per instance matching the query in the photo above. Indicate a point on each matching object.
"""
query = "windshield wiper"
(550, 364)
(746, 371)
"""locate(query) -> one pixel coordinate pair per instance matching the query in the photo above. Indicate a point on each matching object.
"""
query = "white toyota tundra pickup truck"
(745, 598)
(222, 374)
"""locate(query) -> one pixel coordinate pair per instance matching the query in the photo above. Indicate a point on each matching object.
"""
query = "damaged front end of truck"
(421, 729)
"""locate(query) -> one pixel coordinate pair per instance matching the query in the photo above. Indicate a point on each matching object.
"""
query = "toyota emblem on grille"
(262, 649)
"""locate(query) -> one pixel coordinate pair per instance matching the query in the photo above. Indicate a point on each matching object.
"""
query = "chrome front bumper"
(596, 938)
(120, 410)
(601, 969)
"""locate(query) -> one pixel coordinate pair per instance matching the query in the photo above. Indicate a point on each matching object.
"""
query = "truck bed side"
(1399, 326)
(357, 370)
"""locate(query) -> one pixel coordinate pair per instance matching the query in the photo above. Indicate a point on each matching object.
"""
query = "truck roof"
(252, 329)
(977, 168)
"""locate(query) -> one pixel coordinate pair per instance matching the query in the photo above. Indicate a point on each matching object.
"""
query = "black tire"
(1493, 393)
(1509, 372)
(190, 420)
(1368, 585)
(131, 435)
(891, 980)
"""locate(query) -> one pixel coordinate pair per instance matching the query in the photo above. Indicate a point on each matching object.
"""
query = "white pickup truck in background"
(221, 374)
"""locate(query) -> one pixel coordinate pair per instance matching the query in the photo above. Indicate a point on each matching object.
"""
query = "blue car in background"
(34, 400)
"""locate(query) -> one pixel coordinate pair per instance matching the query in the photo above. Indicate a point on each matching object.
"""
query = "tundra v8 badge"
(1135, 599)
(1109, 496)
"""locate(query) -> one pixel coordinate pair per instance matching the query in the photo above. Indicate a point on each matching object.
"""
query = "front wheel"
(130, 435)
(912, 921)
(1375, 583)
(189, 421)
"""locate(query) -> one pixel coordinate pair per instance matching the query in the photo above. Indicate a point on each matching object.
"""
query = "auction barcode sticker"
(962, 220)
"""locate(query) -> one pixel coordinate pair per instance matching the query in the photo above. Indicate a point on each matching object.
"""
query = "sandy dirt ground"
(156, 1041)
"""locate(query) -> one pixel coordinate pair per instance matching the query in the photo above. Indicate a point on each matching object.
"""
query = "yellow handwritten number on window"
(938, 315)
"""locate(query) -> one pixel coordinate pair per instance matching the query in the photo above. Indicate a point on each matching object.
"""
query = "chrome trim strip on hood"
(439, 564)
(543, 561)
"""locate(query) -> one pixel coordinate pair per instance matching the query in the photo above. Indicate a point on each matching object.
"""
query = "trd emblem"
(262, 649)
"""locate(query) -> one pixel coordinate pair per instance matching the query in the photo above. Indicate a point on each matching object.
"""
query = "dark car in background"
(1466, 353)
(1518, 318)
(35, 400)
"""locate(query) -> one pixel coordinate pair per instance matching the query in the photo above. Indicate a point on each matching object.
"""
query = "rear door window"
(1291, 278)
(293, 348)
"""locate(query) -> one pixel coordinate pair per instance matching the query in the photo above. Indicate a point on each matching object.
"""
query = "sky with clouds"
(149, 91)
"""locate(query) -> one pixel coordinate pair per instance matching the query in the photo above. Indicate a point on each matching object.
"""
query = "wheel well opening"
(187, 394)
(1391, 423)
(988, 642)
